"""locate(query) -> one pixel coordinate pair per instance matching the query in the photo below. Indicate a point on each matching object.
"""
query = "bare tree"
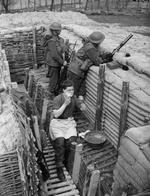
(6, 4)
(52, 5)
(61, 5)
(107, 5)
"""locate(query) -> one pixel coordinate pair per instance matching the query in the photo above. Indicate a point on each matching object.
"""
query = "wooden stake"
(26, 79)
(100, 90)
(37, 132)
(94, 181)
(35, 96)
(77, 162)
(89, 170)
(30, 84)
(44, 110)
(34, 48)
(123, 110)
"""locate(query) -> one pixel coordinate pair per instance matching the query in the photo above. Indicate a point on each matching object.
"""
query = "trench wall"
(18, 167)
(20, 50)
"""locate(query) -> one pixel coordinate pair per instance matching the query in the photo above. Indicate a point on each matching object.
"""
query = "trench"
(120, 107)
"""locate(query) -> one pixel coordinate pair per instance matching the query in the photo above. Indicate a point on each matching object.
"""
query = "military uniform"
(54, 60)
(89, 54)
(86, 56)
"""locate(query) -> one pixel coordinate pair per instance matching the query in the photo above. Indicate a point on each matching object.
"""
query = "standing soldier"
(89, 54)
(55, 49)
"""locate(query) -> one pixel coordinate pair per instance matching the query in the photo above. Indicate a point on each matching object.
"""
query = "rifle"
(122, 44)
(63, 75)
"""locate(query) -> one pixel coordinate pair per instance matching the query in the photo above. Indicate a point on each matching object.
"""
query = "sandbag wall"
(132, 171)
(23, 50)
(19, 173)
(138, 107)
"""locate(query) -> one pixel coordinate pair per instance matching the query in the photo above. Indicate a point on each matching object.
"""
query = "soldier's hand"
(108, 58)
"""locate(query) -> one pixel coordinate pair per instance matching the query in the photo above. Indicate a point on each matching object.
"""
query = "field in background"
(89, 5)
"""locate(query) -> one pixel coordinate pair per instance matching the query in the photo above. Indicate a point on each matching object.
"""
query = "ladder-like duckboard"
(54, 185)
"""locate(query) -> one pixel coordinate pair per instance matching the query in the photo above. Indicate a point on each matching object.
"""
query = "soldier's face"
(57, 32)
(96, 45)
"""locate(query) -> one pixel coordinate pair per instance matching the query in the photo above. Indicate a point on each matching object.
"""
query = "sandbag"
(133, 173)
(136, 152)
(146, 150)
(128, 178)
(140, 135)
(140, 170)
(128, 157)
(118, 179)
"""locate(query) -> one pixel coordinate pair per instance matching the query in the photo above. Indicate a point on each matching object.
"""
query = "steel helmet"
(96, 37)
(55, 26)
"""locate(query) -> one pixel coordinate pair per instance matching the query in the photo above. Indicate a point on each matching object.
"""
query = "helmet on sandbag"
(96, 37)
(55, 26)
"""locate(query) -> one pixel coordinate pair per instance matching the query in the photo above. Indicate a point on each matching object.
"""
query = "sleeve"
(93, 56)
(53, 51)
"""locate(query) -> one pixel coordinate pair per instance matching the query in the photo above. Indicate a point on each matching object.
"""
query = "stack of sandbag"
(138, 109)
(133, 165)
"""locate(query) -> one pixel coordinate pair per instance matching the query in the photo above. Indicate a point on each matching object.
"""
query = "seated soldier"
(89, 54)
(63, 126)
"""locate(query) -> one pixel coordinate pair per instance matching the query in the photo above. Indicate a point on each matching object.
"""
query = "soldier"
(55, 49)
(89, 54)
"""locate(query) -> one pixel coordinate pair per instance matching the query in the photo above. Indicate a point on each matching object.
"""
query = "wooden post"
(91, 181)
(37, 132)
(100, 90)
(26, 79)
(94, 182)
(34, 48)
(35, 96)
(77, 162)
(123, 110)
(44, 110)
(30, 84)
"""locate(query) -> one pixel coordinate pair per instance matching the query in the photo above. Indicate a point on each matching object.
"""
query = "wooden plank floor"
(54, 185)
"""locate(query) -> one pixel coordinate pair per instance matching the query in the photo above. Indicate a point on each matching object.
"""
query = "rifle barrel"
(122, 44)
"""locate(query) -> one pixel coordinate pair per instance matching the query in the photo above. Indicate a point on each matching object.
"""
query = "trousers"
(54, 76)
(79, 83)
(62, 150)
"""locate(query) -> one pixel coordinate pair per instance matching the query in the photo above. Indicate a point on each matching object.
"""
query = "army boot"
(60, 174)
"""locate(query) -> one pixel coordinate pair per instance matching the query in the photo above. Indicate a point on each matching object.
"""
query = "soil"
(124, 20)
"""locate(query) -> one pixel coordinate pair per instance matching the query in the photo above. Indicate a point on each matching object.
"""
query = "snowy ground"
(138, 46)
